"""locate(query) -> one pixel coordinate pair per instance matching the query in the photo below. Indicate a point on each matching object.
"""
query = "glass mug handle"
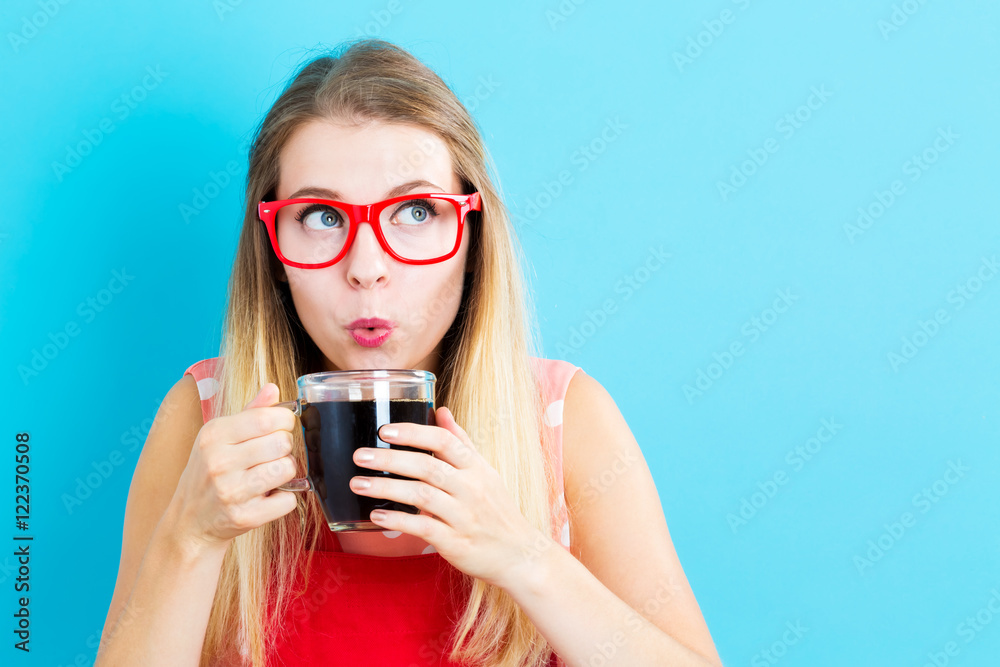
(299, 484)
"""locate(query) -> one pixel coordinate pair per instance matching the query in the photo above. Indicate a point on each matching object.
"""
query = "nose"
(367, 262)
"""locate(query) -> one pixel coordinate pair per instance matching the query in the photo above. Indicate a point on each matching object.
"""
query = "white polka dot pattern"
(207, 388)
(555, 376)
(553, 414)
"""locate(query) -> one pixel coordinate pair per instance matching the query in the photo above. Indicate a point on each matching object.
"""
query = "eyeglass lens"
(423, 228)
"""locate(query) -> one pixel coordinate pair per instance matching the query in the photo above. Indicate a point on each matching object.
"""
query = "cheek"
(314, 299)
(434, 304)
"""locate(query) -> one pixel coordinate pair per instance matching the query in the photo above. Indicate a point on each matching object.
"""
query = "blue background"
(612, 126)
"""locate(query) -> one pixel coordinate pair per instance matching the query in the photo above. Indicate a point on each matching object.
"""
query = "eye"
(415, 212)
(319, 217)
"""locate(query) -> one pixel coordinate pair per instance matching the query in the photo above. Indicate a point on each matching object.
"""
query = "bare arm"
(194, 488)
(163, 622)
(623, 599)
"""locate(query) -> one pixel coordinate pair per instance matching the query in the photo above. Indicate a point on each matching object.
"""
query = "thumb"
(268, 395)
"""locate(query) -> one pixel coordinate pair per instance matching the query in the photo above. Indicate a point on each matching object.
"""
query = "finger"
(258, 418)
(421, 495)
(451, 424)
(442, 443)
(265, 509)
(447, 420)
(264, 477)
(259, 450)
(417, 465)
(428, 528)
(268, 395)
(255, 422)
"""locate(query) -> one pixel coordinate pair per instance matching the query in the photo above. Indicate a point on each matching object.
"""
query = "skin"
(197, 486)
(364, 164)
(466, 512)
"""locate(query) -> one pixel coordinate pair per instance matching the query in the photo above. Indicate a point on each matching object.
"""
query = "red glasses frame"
(369, 213)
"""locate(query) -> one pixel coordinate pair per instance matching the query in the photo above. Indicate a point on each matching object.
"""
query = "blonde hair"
(486, 377)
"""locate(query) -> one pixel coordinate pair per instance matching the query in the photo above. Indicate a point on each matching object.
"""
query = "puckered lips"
(371, 331)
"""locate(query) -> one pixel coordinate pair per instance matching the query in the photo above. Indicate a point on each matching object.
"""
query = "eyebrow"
(323, 193)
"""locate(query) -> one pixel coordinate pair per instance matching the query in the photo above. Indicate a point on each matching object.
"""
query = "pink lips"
(370, 331)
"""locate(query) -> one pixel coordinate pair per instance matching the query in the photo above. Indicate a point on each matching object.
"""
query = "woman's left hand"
(470, 517)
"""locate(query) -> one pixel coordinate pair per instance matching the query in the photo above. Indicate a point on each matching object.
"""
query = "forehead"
(363, 162)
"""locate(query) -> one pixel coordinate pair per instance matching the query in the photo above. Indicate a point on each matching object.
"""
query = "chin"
(370, 359)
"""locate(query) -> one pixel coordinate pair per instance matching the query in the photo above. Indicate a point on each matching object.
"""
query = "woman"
(218, 566)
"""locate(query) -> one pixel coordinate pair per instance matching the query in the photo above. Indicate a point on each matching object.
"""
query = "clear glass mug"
(341, 411)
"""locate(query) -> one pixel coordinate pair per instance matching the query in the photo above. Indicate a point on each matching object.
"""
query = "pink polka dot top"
(385, 597)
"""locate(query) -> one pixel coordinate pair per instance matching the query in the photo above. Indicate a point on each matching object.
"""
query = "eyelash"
(426, 203)
(312, 208)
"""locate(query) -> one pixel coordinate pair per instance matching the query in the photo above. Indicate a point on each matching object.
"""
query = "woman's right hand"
(235, 462)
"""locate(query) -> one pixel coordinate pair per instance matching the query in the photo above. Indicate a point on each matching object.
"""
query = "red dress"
(365, 607)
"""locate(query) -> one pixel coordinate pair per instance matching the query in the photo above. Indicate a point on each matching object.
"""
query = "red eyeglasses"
(413, 229)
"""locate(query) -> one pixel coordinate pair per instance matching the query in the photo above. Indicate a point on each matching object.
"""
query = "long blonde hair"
(486, 377)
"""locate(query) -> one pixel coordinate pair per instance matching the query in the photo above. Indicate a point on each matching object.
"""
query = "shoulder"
(594, 429)
(603, 464)
(554, 376)
(203, 371)
(183, 399)
(180, 413)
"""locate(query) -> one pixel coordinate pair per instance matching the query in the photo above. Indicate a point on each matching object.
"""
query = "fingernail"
(361, 482)
(363, 456)
(388, 432)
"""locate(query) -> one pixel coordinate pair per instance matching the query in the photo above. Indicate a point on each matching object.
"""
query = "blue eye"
(415, 212)
(320, 217)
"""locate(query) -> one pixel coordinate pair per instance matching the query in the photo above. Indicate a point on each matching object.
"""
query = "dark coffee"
(332, 431)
